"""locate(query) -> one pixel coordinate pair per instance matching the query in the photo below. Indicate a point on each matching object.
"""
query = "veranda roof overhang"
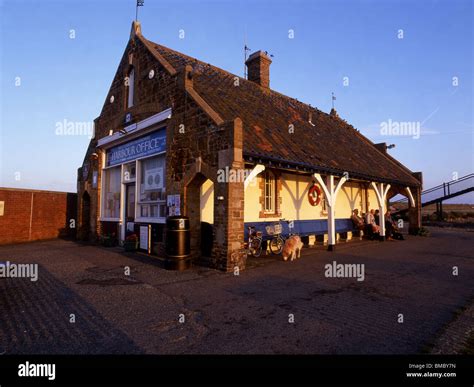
(307, 168)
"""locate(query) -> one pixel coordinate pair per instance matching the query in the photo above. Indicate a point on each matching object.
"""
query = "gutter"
(297, 166)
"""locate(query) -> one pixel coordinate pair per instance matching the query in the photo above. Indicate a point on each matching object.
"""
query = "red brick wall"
(33, 215)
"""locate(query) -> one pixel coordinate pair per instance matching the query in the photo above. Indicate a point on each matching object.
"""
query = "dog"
(292, 248)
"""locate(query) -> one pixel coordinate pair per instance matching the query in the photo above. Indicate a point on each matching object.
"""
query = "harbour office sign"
(141, 147)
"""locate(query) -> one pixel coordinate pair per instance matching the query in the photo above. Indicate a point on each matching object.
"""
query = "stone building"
(179, 136)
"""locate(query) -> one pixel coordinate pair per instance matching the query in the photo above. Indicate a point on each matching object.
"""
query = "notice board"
(144, 237)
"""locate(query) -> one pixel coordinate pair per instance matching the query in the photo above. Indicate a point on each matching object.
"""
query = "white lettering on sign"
(151, 144)
(181, 223)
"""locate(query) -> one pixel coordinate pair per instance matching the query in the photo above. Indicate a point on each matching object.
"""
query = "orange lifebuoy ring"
(314, 195)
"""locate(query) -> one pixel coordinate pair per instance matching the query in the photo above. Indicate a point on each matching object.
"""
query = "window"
(152, 197)
(111, 204)
(131, 87)
(269, 193)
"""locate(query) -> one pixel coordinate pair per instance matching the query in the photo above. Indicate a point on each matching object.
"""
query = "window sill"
(263, 214)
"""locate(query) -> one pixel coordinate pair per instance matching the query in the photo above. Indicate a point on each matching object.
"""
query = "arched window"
(131, 87)
(269, 190)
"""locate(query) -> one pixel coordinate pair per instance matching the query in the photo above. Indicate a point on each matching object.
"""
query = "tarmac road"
(83, 303)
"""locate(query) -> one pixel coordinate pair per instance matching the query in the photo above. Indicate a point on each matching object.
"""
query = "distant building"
(179, 136)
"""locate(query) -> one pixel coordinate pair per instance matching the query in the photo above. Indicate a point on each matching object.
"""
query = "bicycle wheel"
(276, 245)
(255, 247)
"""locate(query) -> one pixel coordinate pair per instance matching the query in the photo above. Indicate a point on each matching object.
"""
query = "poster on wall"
(177, 203)
(153, 179)
(144, 237)
(174, 205)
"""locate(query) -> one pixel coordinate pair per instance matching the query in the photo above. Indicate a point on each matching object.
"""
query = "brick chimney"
(381, 146)
(258, 65)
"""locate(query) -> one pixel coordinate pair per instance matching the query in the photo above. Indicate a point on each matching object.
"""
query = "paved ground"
(239, 314)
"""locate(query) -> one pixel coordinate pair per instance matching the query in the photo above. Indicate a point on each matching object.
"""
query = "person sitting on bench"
(391, 226)
(357, 221)
(377, 217)
(371, 222)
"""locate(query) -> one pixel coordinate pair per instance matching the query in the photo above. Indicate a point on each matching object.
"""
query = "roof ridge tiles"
(228, 73)
(336, 143)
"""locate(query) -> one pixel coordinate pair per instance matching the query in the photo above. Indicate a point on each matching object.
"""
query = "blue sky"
(405, 80)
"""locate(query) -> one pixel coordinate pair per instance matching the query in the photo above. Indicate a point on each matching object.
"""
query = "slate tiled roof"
(330, 145)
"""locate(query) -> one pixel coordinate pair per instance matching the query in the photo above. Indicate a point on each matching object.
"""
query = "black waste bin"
(178, 243)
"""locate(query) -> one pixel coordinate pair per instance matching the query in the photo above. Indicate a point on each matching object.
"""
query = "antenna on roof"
(246, 49)
(333, 98)
(140, 3)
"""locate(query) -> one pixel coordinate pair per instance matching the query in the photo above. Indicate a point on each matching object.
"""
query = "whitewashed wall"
(207, 202)
(295, 204)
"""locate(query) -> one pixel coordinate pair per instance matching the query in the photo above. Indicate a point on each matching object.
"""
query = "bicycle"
(254, 242)
(278, 240)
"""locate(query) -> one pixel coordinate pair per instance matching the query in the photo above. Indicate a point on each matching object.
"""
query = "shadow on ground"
(35, 318)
